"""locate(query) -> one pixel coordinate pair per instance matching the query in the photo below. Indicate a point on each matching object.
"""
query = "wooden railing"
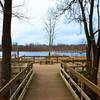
(47, 59)
(77, 83)
(16, 87)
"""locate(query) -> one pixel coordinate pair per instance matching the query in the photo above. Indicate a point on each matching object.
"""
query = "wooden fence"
(47, 59)
(16, 87)
(77, 83)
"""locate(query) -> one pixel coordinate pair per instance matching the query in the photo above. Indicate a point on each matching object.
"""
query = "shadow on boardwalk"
(47, 84)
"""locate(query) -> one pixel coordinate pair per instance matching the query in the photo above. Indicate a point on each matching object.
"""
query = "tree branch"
(96, 31)
(1, 4)
(91, 17)
(63, 10)
(84, 20)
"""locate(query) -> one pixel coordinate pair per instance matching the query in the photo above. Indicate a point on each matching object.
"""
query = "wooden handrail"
(4, 90)
(75, 84)
(38, 59)
(58, 56)
(84, 80)
(20, 86)
(26, 87)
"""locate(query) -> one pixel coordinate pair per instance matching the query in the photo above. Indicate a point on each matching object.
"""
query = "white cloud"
(32, 30)
(36, 11)
(71, 38)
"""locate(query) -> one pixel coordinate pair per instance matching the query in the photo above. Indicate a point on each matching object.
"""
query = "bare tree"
(6, 42)
(83, 11)
(98, 12)
(6, 38)
(50, 25)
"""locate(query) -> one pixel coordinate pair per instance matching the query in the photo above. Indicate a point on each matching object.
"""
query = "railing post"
(82, 87)
(18, 59)
(46, 59)
(83, 68)
(23, 58)
(33, 60)
(57, 59)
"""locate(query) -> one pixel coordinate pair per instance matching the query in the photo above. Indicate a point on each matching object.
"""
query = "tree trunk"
(88, 55)
(6, 43)
(98, 76)
(94, 68)
(93, 55)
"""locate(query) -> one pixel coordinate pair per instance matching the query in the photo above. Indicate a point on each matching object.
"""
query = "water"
(53, 53)
(46, 53)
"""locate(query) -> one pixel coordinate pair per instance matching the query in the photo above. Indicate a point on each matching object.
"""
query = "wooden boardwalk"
(47, 84)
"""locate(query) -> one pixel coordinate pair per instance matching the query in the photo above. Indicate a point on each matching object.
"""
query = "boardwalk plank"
(47, 84)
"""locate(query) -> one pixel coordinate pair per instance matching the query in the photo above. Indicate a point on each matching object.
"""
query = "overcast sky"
(32, 29)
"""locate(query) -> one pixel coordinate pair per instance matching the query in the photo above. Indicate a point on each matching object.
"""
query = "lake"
(53, 53)
(46, 53)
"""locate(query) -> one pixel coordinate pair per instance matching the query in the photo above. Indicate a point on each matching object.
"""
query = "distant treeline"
(61, 47)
